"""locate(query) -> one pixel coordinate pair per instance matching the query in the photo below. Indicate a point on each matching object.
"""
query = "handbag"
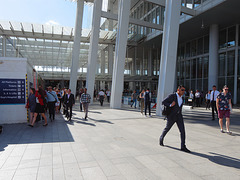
(166, 110)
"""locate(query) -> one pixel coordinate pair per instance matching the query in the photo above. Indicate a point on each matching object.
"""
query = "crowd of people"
(52, 100)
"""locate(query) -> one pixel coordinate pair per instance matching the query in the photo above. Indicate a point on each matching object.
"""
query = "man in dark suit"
(175, 103)
(69, 102)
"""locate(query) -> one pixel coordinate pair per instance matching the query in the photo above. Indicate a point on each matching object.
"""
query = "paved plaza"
(118, 145)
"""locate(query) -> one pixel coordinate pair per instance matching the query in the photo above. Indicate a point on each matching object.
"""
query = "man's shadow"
(216, 158)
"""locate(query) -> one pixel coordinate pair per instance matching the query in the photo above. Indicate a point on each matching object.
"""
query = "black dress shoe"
(185, 150)
(161, 143)
(30, 125)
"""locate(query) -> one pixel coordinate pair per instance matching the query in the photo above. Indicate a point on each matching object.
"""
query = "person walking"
(214, 94)
(224, 105)
(108, 92)
(134, 99)
(69, 101)
(142, 100)
(208, 98)
(85, 100)
(40, 104)
(31, 103)
(175, 103)
(80, 94)
(191, 99)
(147, 102)
(52, 99)
(101, 96)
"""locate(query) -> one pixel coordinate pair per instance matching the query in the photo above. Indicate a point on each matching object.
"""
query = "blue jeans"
(134, 101)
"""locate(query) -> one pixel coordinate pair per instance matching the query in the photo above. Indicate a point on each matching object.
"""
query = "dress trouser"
(214, 107)
(80, 106)
(147, 106)
(69, 115)
(108, 98)
(101, 99)
(51, 107)
(142, 105)
(85, 107)
(180, 124)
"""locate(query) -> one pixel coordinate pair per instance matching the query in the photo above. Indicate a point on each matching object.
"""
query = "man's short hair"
(214, 86)
(69, 89)
(180, 86)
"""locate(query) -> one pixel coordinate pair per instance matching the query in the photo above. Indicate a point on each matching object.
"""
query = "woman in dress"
(40, 99)
(32, 103)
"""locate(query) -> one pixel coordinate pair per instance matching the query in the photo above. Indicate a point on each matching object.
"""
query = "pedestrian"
(85, 100)
(134, 99)
(224, 105)
(142, 100)
(63, 101)
(40, 104)
(101, 97)
(191, 99)
(175, 103)
(52, 99)
(213, 97)
(147, 102)
(197, 98)
(69, 101)
(80, 94)
(31, 105)
(108, 92)
(208, 98)
(57, 104)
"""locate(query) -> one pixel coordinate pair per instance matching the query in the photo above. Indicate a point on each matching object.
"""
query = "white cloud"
(51, 22)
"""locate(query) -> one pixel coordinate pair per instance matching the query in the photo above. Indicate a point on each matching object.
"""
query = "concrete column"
(236, 66)
(93, 50)
(110, 59)
(169, 52)
(120, 53)
(110, 9)
(150, 60)
(76, 46)
(4, 46)
(213, 56)
(102, 62)
(141, 63)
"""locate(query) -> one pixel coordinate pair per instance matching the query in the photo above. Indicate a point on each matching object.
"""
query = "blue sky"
(59, 12)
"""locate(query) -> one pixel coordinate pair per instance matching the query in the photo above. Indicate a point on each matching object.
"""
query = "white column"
(110, 59)
(213, 56)
(150, 62)
(236, 66)
(4, 46)
(93, 50)
(120, 53)
(134, 62)
(169, 51)
(76, 46)
(102, 62)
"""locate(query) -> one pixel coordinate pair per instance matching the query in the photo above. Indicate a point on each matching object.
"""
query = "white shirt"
(191, 95)
(101, 93)
(208, 96)
(108, 93)
(179, 98)
(197, 94)
(215, 95)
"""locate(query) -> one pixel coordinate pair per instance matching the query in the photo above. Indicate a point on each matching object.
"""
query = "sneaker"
(229, 132)
(222, 131)
(145, 115)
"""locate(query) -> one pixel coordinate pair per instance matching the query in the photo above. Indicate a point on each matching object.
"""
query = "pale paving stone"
(7, 174)
(58, 173)
(72, 172)
(45, 173)
(93, 173)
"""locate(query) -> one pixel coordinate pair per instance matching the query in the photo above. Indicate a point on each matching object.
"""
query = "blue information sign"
(12, 91)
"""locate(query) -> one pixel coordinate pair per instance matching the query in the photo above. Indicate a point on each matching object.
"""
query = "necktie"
(213, 95)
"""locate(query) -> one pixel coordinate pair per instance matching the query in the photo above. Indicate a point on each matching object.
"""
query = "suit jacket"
(176, 111)
(69, 101)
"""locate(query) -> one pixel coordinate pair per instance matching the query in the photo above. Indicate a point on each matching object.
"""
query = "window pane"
(200, 46)
(221, 83)
(231, 36)
(193, 70)
(230, 84)
(188, 50)
(205, 67)
(206, 44)
(231, 63)
(193, 86)
(193, 48)
(205, 85)
(222, 39)
(187, 70)
(199, 68)
(221, 64)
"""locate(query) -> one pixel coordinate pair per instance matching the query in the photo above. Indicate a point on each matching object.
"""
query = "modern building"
(135, 44)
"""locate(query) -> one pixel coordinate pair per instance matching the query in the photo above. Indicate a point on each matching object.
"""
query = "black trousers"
(51, 107)
(197, 102)
(69, 111)
(208, 104)
(170, 122)
(147, 106)
(214, 108)
(80, 106)
(108, 98)
(101, 99)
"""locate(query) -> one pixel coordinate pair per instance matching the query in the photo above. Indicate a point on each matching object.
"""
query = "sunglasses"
(182, 89)
(226, 89)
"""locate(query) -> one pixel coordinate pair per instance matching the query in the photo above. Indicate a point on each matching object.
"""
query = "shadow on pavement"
(56, 131)
(216, 158)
